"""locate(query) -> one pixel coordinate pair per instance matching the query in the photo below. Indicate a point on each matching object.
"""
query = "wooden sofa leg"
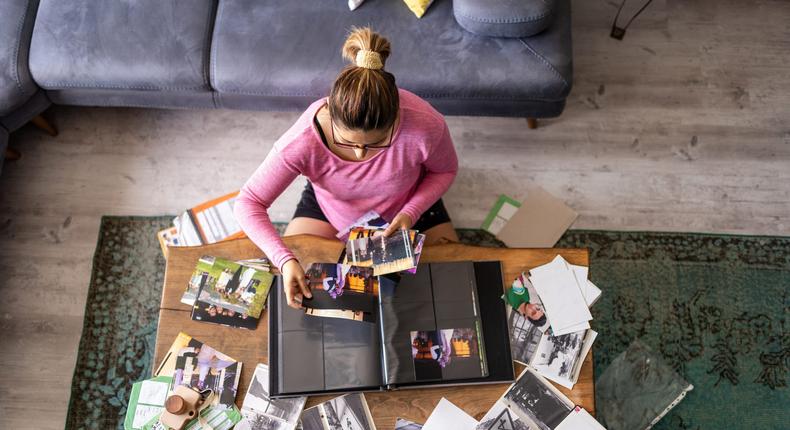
(12, 154)
(44, 125)
(532, 123)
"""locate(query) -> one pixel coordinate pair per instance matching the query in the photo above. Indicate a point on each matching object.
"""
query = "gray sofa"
(466, 57)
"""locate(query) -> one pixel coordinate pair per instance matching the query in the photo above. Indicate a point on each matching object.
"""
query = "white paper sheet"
(561, 295)
(589, 290)
(448, 416)
(579, 419)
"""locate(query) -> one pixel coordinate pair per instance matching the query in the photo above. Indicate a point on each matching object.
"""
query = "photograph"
(199, 277)
(257, 399)
(524, 337)
(236, 287)
(370, 220)
(433, 351)
(252, 420)
(558, 355)
(524, 299)
(384, 254)
(404, 424)
(534, 400)
(202, 367)
(338, 279)
(503, 419)
(206, 312)
(349, 412)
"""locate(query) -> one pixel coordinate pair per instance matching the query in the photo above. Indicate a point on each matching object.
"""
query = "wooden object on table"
(250, 347)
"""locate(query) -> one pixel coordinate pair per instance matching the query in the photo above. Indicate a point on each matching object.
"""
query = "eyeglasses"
(372, 147)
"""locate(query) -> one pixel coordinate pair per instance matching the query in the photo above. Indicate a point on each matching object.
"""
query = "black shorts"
(308, 208)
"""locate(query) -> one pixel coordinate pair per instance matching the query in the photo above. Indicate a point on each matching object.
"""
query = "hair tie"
(369, 59)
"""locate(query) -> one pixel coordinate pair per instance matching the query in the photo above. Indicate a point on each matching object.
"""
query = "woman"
(368, 146)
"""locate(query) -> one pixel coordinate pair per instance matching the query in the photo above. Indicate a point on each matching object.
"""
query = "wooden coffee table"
(250, 347)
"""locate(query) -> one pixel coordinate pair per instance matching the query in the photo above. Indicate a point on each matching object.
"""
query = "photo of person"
(202, 367)
(524, 299)
(385, 254)
(434, 351)
(338, 279)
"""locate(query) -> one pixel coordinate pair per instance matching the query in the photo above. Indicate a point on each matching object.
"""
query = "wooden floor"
(684, 125)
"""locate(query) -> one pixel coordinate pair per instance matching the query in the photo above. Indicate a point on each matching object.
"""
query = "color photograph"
(434, 351)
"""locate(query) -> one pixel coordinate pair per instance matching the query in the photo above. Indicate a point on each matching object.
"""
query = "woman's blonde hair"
(364, 96)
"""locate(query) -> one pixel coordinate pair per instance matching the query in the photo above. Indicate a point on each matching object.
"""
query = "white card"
(448, 416)
(579, 419)
(561, 295)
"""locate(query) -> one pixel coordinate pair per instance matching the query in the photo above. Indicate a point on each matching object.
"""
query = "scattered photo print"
(502, 420)
(257, 400)
(534, 400)
(233, 286)
(434, 351)
(338, 279)
(558, 356)
(524, 337)
(200, 366)
(348, 412)
(523, 298)
(402, 424)
(370, 220)
(199, 278)
(385, 254)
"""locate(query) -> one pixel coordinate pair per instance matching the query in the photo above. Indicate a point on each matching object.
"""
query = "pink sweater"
(408, 177)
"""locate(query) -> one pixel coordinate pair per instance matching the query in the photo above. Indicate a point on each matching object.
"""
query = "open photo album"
(417, 330)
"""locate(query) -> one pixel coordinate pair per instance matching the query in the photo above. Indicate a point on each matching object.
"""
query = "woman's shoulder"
(419, 117)
(411, 101)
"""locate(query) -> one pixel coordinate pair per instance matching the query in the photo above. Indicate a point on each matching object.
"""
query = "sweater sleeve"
(270, 179)
(441, 167)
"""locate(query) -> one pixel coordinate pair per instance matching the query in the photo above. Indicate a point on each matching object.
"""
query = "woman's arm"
(441, 168)
(270, 179)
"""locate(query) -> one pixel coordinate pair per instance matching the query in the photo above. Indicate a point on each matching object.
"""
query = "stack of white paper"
(562, 297)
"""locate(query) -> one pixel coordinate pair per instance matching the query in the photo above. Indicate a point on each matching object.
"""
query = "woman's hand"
(295, 283)
(400, 222)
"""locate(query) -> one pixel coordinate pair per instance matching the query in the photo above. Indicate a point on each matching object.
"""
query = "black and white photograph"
(257, 402)
(252, 420)
(404, 424)
(503, 419)
(348, 412)
(559, 357)
(535, 401)
(524, 337)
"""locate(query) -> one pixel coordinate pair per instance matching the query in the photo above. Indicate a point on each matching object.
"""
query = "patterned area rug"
(714, 306)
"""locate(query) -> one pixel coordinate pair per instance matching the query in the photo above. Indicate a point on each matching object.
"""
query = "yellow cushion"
(418, 6)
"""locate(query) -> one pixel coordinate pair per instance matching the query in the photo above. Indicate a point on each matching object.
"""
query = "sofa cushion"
(140, 45)
(265, 56)
(504, 18)
(16, 26)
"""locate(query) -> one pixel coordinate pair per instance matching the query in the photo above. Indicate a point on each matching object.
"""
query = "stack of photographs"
(227, 292)
(194, 364)
(349, 412)
(341, 291)
(260, 412)
(558, 358)
(398, 252)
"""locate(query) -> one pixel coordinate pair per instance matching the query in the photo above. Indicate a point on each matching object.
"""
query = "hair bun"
(366, 48)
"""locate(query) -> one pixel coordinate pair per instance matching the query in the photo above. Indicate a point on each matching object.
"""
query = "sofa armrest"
(504, 18)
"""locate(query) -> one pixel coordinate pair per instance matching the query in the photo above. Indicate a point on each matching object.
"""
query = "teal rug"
(713, 306)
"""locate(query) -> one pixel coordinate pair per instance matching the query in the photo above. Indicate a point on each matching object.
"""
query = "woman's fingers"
(303, 286)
